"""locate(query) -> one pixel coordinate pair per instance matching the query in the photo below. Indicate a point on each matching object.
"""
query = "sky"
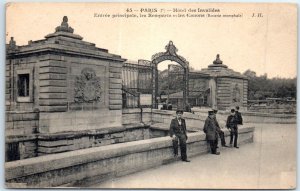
(265, 44)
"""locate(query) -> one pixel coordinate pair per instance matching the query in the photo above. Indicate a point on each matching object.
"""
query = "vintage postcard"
(151, 95)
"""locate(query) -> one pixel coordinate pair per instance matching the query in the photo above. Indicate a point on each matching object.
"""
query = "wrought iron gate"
(171, 55)
(137, 84)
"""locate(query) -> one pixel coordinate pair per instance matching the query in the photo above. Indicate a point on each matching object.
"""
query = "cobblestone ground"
(268, 163)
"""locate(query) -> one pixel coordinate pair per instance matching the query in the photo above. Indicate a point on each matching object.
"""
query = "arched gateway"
(171, 55)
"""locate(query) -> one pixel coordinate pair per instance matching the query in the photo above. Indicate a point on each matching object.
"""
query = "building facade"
(56, 85)
(221, 87)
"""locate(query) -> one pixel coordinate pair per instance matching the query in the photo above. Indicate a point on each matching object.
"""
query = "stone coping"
(26, 167)
(74, 134)
(70, 51)
(160, 126)
(136, 110)
(20, 138)
(20, 112)
(51, 162)
(269, 114)
(173, 114)
(108, 130)
(165, 127)
(164, 112)
(249, 113)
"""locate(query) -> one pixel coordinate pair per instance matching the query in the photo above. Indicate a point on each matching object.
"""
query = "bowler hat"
(179, 111)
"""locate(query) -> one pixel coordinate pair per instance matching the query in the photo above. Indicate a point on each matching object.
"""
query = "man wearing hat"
(178, 132)
(210, 129)
(219, 130)
(231, 124)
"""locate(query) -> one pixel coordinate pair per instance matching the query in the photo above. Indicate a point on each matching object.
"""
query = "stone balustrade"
(89, 166)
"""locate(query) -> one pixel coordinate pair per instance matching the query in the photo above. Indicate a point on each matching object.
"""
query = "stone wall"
(64, 142)
(163, 119)
(21, 149)
(252, 117)
(52, 83)
(21, 123)
(115, 85)
(13, 68)
(8, 84)
(58, 77)
(33, 145)
(276, 108)
(73, 130)
(79, 120)
(20, 138)
(89, 166)
(226, 95)
(136, 116)
(131, 116)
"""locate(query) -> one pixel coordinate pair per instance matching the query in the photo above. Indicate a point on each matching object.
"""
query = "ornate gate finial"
(170, 54)
(171, 49)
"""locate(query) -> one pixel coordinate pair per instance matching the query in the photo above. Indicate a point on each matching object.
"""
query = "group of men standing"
(211, 129)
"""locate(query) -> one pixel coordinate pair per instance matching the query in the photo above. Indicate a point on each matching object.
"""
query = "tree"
(173, 84)
(250, 73)
(260, 87)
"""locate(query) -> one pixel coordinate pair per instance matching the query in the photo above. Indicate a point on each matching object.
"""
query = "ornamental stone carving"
(171, 49)
(170, 54)
(236, 94)
(64, 27)
(218, 60)
(87, 87)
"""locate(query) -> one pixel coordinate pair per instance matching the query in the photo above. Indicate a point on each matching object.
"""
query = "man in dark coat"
(178, 133)
(219, 131)
(231, 124)
(238, 116)
(210, 129)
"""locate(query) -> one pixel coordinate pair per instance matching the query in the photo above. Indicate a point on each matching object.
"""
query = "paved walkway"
(269, 162)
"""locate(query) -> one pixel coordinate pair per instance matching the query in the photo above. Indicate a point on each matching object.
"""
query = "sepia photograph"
(150, 95)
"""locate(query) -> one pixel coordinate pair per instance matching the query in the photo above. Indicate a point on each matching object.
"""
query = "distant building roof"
(62, 41)
(218, 69)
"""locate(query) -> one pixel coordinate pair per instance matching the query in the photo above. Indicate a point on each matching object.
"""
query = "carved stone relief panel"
(88, 87)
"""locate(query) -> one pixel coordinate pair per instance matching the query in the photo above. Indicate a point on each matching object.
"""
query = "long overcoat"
(210, 129)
